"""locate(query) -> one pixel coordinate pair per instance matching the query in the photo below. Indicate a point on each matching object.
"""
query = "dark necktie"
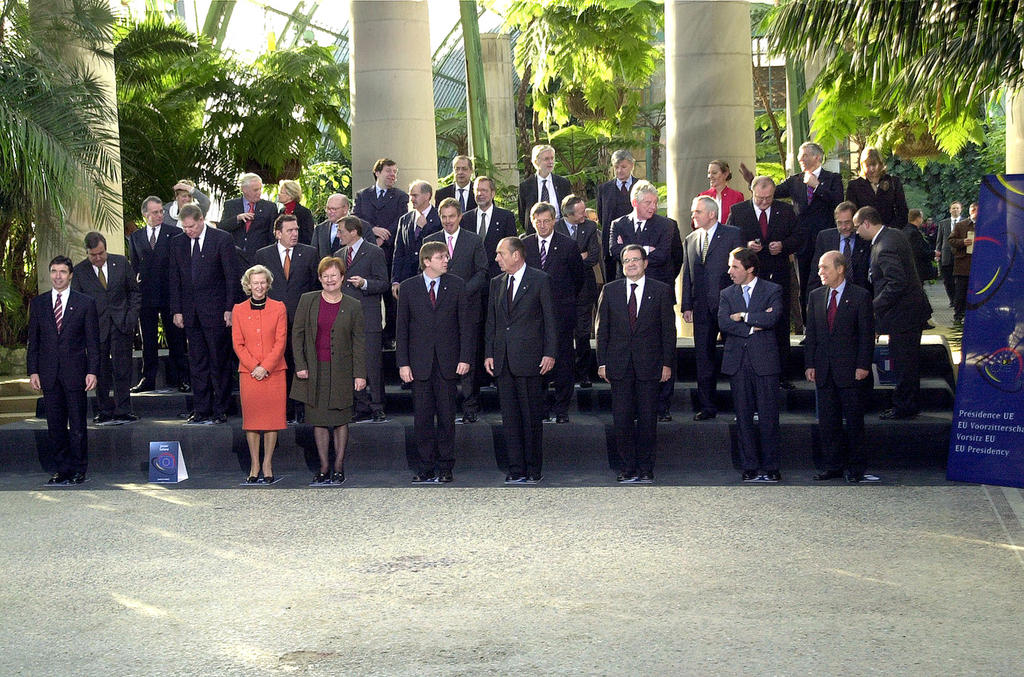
(58, 314)
(348, 259)
(624, 189)
(462, 199)
(572, 229)
(639, 228)
(763, 222)
(432, 295)
(810, 194)
(832, 309)
(418, 231)
(152, 238)
(336, 242)
(482, 232)
(632, 306)
(508, 294)
(543, 253)
(846, 247)
(544, 195)
(195, 258)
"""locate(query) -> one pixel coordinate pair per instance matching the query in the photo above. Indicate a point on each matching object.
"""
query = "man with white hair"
(250, 218)
(544, 186)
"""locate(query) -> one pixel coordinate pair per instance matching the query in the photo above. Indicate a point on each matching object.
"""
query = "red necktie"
(433, 296)
(58, 314)
(763, 222)
(832, 309)
(252, 210)
(632, 306)
(348, 259)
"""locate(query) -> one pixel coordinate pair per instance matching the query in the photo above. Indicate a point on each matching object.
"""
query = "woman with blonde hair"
(259, 332)
(877, 188)
(289, 194)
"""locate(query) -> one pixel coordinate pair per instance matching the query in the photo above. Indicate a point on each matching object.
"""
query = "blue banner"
(986, 444)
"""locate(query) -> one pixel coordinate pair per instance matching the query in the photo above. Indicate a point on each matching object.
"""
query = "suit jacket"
(446, 332)
(368, 262)
(152, 265)
(406, 262)
(348, 350)
(889, 200)
(817, 216)
(648, 347)
(64, 357)
(761, 346)
(849, 345)
(205, 289)
(260, 336)
(517, 337)
(502, 224)
(703, 282)
(529, 195)
(961, 259)
(261, 228)
(383, 211)
(900, 304)
(588, 239)
(449, 191)
(301, 279)
(562, 264)
(782, 227)
(657, 233)
(468, 262)
(611, 206)
(322, 238)
(304, 217)
(945, 227)
(117, 306)
(828, 240)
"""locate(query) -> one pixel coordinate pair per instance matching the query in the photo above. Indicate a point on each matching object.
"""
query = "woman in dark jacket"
(289, 194)
(876, 188)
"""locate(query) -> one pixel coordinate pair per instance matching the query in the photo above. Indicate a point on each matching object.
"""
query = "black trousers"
(584, 361)
(752, 393)
(841, 422)
(960, 296)
(705, 336)
(635, 421)
(947, 282)
(66, 427)
(905, 351)
(561, 376)
(115, 374)
(434, 421)
(469, 384)
(209, 351)
(177, 370)
(522, 412)
(371, 398)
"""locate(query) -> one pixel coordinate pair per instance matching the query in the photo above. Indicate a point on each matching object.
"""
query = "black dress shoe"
(704, 415)
(338, 476)
(895, 415)
(406, 386)
(58, 478)
(786, 385)
(142, 386)
(197, 419)
(749, 476)
(184, 388)
(423, 478)
(584, 384)
(664, 418)
(219, 418)
(252, 479)
(77, 478)
(102, 418)
(321, 478)
(515, 479)
(562, 418)
(126, 418)
(626, 477)
(533, 479)
(364, 416)
(379, 416)
(268, 479)
(828, 475)
(772, 476)
(468, 418)
(445, 477)
(645, 478)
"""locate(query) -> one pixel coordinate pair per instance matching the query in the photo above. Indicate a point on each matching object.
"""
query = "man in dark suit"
(943, 252)
(613, 203)
(467, 261)
(900, 305)
(434, 345)
(462, 188)
(575, 224)
(837, 359)
(705, 275)
(747, 311)
(843, 239)
(558, 256)
(294, 267)
(416, 224)
(768, 228)
(325, 235)
(815, 193)
(110, 281)
(490, 222)
(63, 360)
(249, 219)
(544, 186)
(381, 205)
(150, 256)
(645, 227)
(203, 283)
(522, 339)
(636, 348)
(366, 279)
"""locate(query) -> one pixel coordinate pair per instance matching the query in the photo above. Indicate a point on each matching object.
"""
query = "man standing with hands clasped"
(636, 343)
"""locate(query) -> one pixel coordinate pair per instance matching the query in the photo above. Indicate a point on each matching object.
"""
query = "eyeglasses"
(632, 259)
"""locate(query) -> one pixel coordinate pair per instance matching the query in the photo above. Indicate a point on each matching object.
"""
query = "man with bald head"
(325, 235)
(837, 359)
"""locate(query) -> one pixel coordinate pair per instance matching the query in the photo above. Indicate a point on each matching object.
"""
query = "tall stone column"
(392, 90)
(1015, 133)
(496, 49)
(709, 96)
(53, 237)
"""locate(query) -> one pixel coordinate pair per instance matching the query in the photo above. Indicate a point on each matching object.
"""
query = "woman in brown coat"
(330, 354)
(259, 332)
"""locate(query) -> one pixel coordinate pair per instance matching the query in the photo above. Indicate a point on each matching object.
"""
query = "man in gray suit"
(943, 253)
(111, 282)
(583, 231)
(747, 312)
(366, 279)
(522, 339)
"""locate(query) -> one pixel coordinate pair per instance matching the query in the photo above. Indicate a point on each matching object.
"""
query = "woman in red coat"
(259, 331)
(719, 176)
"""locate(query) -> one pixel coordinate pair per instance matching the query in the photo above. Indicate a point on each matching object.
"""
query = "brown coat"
(348, 349)
(961, 259)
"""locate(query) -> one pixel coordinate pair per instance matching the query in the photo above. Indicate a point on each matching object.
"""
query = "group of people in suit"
(465, 298)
